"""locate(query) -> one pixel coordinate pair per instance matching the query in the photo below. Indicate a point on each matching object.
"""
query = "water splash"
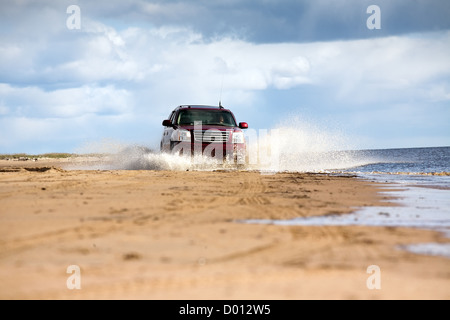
(119, 156)
(295, 145)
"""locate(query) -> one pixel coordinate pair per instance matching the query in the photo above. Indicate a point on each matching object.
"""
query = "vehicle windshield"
(207, 117)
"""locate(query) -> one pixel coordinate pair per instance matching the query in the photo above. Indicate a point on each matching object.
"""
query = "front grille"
(211, 136)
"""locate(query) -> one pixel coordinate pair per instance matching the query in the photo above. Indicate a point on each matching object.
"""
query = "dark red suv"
(204, 130)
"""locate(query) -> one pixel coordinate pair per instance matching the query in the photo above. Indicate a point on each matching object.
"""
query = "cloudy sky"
(118, 71)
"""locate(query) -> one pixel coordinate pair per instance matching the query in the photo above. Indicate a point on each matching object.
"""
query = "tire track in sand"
(252, 192)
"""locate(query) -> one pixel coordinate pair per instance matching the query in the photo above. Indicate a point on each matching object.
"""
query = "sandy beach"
(144, 234)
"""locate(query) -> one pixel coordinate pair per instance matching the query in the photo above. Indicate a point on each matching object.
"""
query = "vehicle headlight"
(238, 137)
(181, 135)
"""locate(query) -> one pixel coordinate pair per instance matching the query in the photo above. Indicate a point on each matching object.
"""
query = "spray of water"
(296, 145)
(114, 155)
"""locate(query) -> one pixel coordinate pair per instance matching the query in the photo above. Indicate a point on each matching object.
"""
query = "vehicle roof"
(199, 106)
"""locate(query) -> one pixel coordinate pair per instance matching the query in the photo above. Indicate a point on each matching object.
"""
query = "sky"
(77, 72)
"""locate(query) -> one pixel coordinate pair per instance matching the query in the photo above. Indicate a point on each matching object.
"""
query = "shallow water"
(431, 249)
(418, 177)
(418, 207)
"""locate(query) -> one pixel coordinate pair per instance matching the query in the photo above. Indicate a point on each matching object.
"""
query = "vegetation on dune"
(38, 156)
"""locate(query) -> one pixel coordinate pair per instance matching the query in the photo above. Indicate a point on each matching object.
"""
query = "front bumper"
(235, 152)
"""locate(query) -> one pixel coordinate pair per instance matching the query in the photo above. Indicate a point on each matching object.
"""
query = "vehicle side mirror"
(167, 123)
(243, 125)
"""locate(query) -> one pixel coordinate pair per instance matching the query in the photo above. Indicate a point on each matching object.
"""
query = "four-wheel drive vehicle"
(207, 130)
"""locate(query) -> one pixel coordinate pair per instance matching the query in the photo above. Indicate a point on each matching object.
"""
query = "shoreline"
(171, 235)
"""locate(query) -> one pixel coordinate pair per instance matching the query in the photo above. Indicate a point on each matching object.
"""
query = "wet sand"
(174, 235)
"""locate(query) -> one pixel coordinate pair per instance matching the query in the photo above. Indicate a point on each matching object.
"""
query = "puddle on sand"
(425, 208)
(431, 249)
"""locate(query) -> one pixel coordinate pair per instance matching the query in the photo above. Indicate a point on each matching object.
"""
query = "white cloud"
(33, 102)
(176, 59)
(391, 68)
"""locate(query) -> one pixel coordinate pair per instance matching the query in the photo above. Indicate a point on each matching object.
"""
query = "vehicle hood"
(208, 127)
